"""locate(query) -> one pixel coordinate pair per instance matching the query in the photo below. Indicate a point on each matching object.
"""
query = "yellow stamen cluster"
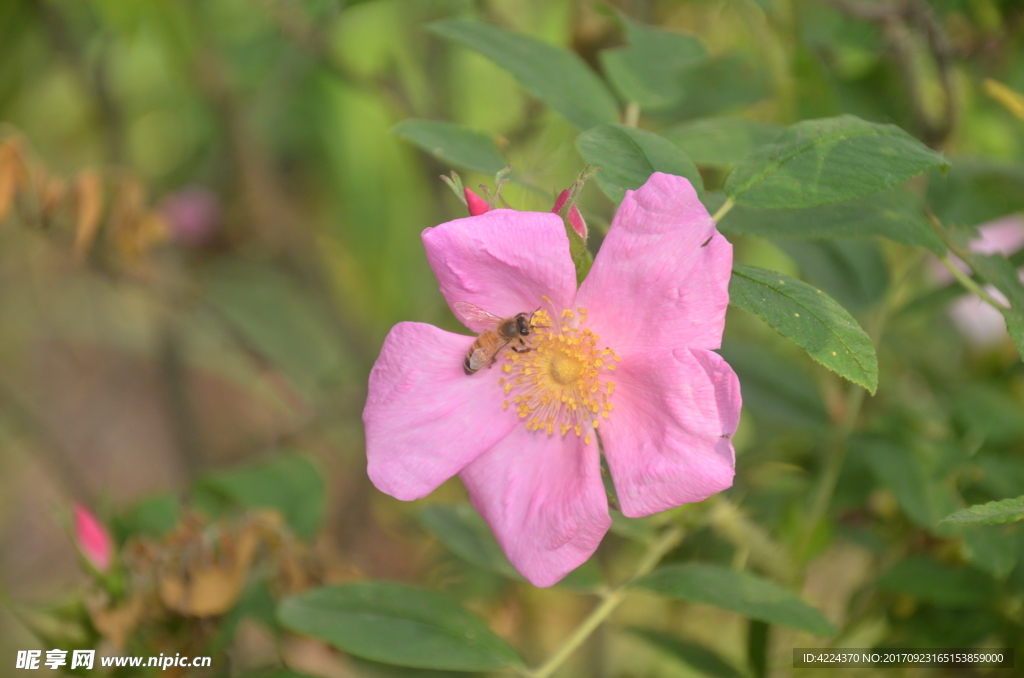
(561, 384)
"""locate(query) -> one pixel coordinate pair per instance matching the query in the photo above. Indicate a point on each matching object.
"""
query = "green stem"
(8, 603)
(723, 210)
(967, 282)
(854, 401)
(668, 540)
(833, 467)
(632, 114)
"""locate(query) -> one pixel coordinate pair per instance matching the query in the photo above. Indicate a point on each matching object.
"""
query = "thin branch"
(723, 210)
(96, 79)
(269, 208)
(295, 25)
(895, 21)
(657, 550)
(969, 283)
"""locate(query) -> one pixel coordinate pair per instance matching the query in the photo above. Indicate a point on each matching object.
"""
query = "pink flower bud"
(575, 218)
(476, 204)
(93, 539)
(560, 202)
(193, 215)
(577, 223)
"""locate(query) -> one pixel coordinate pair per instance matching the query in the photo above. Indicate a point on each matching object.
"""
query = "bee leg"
(525, 349)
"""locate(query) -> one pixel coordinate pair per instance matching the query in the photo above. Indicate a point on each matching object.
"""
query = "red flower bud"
(93, 539)
(574, 216)
(577, 223)
(475, 203)
(560, 202)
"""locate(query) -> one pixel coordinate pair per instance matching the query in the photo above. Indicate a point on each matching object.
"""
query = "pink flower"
(93, 539)
(193, 215)
(628, 357)
(980, 324)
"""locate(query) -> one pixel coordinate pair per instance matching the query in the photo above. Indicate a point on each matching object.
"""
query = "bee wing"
(485, 354)
(475, 314)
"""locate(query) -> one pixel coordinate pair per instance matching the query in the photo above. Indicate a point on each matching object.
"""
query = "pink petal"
(503, 261)
(543, 497)
(669, 440)
(93, 539)
(1002, 236)
(425, 419)
(658, 281)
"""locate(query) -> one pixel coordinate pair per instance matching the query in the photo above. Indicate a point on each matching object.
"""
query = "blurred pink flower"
(629, 356)
(193, 216)
(979, 323)
(93, 539)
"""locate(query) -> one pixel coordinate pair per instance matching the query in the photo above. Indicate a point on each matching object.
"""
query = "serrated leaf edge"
(962, 516)
(871, 388)
(890, 130)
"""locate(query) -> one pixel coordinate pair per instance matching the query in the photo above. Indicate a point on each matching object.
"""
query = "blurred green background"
(212, 227)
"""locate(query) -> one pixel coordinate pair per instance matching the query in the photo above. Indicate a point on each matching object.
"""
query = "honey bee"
(503, 331)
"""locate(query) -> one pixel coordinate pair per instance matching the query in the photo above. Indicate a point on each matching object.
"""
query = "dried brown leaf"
(12, 174)
(205, 589)
(116, 624)
(89, 197)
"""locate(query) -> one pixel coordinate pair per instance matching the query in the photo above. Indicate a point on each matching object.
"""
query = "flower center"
(566, 369)
(561, 382)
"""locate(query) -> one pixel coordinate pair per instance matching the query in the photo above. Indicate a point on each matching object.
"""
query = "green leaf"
(695, 656)
(1015, 326)
(740, 592)
(920, 491)
(928, 580)
(288, 483)
(555, 75)
(461, 529)
(993, 548)
(369, 669)
(987, 411)
(973, 192)
(725, 83)
(647, 72)
(278, 318)
(758, 642)
(816, 162)
(1000, 475)
(395, 624)
(997, 270)
(256, 603)
(1004, 511)
(277, 673)
(464, 533)
(777, 391)
(156, 516)
(453, 144)
(636, 529)
(628, 157)
(891, 214)
(809, 317)
(721, 142)
(853, 272)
